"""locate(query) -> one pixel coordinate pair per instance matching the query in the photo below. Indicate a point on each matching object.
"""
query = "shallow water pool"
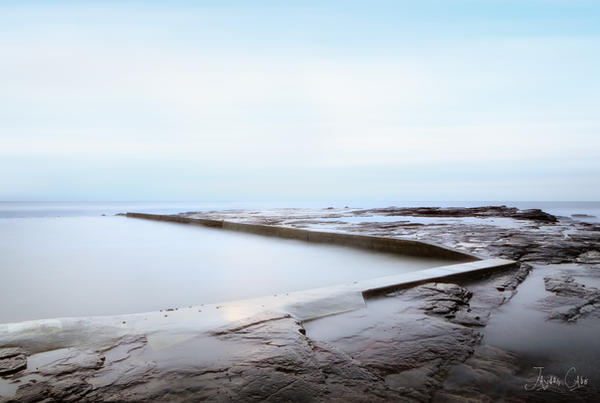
(83, 266)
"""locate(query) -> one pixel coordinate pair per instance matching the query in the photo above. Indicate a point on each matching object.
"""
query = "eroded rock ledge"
(482, 212)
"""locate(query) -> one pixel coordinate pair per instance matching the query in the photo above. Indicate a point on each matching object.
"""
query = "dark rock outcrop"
(572, 300)
(484, 212)
(12, 359)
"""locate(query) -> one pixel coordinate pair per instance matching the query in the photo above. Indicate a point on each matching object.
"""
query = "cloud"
(229, 95)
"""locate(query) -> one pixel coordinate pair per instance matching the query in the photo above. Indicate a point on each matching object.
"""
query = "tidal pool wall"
(379, 244)
(163, 327)
(79, 266)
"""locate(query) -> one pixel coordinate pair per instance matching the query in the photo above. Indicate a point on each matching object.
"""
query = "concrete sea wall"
(379, 244)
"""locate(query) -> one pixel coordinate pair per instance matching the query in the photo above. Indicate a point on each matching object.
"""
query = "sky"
(300, 100)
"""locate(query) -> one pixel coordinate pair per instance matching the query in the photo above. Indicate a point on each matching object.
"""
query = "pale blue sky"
(311, 100)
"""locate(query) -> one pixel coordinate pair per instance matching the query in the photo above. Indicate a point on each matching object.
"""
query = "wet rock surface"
(571, 300)
(490, 211)
(524, 235)
(262, 358)
(434, 342)
(12, 360)
(405, 338)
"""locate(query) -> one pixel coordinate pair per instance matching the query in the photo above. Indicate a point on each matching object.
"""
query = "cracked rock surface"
(12, 360)
(476, 339)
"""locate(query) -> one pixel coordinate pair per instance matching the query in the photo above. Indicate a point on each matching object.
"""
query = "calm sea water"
(66, 259)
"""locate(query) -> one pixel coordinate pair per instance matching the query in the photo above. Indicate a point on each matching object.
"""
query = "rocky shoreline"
(434, 342)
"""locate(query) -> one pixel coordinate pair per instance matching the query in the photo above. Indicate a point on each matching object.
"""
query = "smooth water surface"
(522, 326)
(80, 266)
